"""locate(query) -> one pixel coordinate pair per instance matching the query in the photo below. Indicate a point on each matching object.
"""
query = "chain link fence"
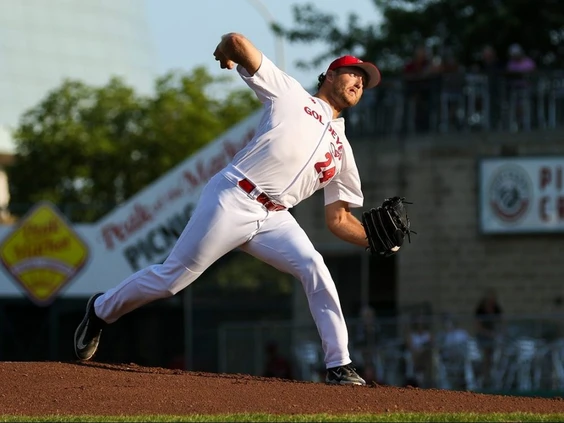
(524, 353)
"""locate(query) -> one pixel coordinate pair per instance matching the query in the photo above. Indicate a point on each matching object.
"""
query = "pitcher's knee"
(310, 264)
(171, 280)
(313, 272)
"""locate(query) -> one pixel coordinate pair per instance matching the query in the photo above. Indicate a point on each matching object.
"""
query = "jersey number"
(322, 168)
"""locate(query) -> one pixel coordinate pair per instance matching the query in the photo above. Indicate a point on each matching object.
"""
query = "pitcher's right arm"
(234, 49)
(257, 71)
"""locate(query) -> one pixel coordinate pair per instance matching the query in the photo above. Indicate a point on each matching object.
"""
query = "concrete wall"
(449, 263)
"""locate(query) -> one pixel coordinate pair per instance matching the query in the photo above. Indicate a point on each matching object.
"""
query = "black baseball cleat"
(344, 375)
(88, 332)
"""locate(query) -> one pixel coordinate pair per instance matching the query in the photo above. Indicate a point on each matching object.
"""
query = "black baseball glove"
(387, 226)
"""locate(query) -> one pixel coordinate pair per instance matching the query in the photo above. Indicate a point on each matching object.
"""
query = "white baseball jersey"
(298, 147)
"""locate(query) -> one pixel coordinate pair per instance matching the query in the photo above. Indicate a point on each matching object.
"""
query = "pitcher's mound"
(40, 388)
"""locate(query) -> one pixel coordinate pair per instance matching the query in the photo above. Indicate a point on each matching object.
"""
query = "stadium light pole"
(269, 19)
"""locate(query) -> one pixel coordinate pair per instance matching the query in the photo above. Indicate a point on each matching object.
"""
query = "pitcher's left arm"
(342, 223)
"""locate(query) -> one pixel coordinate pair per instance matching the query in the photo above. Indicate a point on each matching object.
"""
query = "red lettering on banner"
(231, 148)
(122, 230)
(142, 214)
(205, 171)
(545, 177)
(174, 193)
(190, 178)
(549, 176)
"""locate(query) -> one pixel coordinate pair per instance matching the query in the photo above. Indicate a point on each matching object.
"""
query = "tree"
(87, 148)
(462, 26)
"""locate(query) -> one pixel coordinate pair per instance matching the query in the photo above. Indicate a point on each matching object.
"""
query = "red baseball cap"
(371, 70)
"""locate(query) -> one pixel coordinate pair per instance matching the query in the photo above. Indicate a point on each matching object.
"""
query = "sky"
(185, 33)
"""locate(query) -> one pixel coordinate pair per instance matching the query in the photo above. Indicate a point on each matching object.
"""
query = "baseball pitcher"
(299, 147)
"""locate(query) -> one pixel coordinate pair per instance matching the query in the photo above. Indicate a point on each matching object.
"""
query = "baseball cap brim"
(372, 71)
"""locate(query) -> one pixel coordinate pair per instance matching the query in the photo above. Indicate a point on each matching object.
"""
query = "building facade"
(44, 42)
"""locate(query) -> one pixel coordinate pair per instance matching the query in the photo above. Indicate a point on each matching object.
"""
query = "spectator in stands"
(453, 335)
(518, 61)
(276, 365)
(453, 348)
(450, 85)
(420, 64)
(419, 76)
(453, 339)
(447, 62)
(488, 316)
(489, 61)
(419, 345)
(492, 67)
(518, 67)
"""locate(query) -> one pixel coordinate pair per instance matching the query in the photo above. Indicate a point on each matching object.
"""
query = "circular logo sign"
(510, 192)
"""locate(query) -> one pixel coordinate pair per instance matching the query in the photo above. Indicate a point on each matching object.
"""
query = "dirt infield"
(39, 388)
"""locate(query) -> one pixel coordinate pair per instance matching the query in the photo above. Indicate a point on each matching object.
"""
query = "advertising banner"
(521, 195)
(142, 231)
(43, 255)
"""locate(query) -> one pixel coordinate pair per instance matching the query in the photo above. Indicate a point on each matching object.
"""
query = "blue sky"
(185, 33)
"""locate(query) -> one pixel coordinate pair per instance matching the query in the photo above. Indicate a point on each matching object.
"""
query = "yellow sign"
(43, 253)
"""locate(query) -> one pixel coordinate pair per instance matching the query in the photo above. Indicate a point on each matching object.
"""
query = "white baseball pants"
(224, 219)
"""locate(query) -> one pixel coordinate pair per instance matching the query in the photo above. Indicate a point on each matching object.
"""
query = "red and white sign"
(522, 195)
(142, 231)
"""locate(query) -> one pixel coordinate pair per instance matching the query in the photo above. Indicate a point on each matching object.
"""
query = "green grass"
(384, 417)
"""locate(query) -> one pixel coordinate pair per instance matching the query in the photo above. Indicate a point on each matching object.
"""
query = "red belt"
(262, 198)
